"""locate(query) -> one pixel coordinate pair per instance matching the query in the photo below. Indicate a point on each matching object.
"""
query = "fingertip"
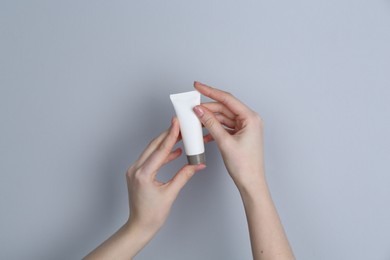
(196, 167)
(210, 122)
(198, 84)
(174, 119)
(198, 111)
(178, 150)
(200, 167)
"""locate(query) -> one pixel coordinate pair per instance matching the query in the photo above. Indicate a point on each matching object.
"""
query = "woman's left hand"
(150, 200)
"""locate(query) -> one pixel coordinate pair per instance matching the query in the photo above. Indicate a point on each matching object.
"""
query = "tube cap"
(196, 159)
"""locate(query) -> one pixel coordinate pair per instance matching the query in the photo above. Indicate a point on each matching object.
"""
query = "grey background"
(84, 86)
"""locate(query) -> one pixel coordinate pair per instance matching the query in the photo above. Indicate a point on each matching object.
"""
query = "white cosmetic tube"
(190, 126)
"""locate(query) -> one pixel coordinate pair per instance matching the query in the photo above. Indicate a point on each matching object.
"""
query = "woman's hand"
(238, 132)
(149, 199)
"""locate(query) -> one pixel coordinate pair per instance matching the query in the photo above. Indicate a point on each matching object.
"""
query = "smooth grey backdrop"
(84, 86)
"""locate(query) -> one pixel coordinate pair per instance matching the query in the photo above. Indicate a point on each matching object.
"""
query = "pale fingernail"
(200, 167)
(199, 83)
(198, 111)
(203, 84)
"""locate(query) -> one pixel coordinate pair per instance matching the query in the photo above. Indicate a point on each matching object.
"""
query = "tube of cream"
(190, 126)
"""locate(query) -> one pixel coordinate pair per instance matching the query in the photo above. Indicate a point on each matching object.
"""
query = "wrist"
(125, 243)
(253, 190)
(249, 180)
(134, 237)
(139, 228)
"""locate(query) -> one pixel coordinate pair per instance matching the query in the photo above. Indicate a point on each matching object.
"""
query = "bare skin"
(238, 132)
(149, 200)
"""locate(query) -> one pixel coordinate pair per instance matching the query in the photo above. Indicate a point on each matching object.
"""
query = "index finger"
(154, 144)
(161, 153)
(235, 105)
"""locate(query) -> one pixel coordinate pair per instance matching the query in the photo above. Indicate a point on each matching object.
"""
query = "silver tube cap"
(196, 159)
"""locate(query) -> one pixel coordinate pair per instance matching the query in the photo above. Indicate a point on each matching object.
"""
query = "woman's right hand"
(238, 132)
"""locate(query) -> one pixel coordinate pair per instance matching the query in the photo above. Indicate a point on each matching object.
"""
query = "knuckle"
(209, 122)
(257, 119)
(188, 174)
(152, 142)
(228, 94)
(226, 97)
(164, 148)
(139, 174)
(130, 171)
(211, 92)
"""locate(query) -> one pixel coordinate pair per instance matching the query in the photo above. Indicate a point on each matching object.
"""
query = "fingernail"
(198, 111)
(199, 83)
(200, 167)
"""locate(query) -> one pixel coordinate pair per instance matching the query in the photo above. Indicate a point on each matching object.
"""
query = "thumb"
(208, 119)
(183, 176)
